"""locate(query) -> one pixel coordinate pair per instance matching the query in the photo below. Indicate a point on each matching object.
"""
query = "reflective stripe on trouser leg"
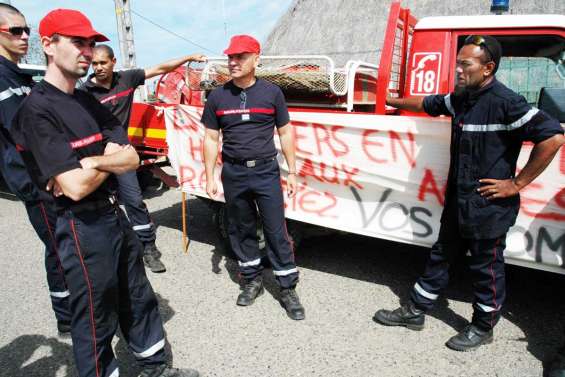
(489, 286)
(139, 316)
(435, 278)
(43, 219)
(436, 274)
(89, 246)
(130, 196)
(267, 190)
(241, 214)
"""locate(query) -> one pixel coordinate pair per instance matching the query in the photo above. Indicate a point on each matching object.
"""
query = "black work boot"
(291, 303)
(407, 315)
(64, 328)
(557, 366)
(166, 371)
(251, 290)
(470, 338)
(152, 258)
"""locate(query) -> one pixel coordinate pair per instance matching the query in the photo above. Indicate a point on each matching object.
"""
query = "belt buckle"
(250, 163)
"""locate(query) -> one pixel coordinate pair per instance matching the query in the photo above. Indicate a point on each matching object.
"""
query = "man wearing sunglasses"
(247, 110)
(14, 86)
(115, 90)
(489, 124)
(69, 139)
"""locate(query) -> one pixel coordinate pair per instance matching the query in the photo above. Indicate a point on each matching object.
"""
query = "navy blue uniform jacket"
(488, 128)
(14, 86)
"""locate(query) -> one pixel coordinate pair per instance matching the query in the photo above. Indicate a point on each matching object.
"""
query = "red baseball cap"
(242, 43)
(69, 22)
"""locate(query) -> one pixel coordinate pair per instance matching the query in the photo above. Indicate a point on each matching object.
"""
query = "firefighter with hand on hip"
(489, 124)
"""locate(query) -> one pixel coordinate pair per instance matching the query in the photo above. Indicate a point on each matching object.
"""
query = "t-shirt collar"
(92, 84)
(246, 89)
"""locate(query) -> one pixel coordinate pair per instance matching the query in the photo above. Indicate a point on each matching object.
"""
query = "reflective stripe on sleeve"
(501, 127)
(21, 91)
(447, 101)
(422, 292)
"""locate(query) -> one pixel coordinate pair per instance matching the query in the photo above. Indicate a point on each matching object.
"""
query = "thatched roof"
(354, 29)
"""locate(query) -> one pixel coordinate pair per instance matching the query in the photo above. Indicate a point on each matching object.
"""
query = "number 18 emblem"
(425, 73)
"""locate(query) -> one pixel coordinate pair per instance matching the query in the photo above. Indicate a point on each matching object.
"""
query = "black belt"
(249, 163)
(93, 205)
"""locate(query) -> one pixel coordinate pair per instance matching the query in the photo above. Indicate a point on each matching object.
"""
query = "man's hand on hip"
(497, 188)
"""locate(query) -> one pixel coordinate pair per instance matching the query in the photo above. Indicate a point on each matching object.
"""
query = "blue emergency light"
(499, 6)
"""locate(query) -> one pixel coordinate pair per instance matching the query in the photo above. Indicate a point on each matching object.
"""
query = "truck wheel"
(220, 219)
(145, 179)
(295, 233)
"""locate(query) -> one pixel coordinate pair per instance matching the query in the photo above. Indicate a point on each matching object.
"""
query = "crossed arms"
(79, 183)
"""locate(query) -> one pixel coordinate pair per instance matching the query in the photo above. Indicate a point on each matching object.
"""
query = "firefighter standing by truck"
(115, 90)
(489, 124)
(246, 110)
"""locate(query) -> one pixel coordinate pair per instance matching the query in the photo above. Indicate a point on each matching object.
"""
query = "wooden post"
(185, 239)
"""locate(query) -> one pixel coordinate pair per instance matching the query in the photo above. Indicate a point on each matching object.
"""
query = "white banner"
(384, 177)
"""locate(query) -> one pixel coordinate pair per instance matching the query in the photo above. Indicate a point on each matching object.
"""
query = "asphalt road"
(344, 279)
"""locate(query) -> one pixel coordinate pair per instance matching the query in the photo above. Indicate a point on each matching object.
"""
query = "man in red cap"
(246, 110)
(75, 147)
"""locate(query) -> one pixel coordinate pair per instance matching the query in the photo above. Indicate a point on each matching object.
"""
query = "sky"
(200, 21)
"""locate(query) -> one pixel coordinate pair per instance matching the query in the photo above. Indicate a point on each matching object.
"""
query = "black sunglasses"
(478, 40)
(16, 30)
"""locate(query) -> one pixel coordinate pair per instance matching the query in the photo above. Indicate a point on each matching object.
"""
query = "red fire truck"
(367, 168)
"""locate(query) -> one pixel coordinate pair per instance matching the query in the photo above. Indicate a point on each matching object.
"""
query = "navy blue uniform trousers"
(102, 259)
(246, 190)
(130, 196)
(43, 218)
(486, 264)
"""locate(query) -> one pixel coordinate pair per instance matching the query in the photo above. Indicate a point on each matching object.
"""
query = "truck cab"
(532, 64)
